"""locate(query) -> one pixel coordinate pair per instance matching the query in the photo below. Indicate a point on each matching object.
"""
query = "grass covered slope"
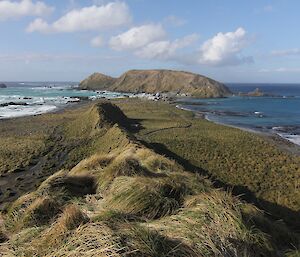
(256, 167)
(154, 81)
(115, 196)
(97, 81)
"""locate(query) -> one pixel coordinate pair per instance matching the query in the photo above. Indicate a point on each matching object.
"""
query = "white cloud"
(94, 17)
(16, 9)
(38, 25)
(165, 49)
(225, 49)
(286, 52)
(137, 37)
(97, 41)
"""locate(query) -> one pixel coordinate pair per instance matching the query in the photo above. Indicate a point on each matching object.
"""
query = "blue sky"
(231, 41)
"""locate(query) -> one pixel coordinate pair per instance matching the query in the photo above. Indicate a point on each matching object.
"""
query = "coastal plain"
(132, 177)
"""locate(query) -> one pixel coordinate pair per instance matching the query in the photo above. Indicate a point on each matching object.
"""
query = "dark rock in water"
(81, 98)
(27, 98)
(13, 103)
(258, 93)
(2, 85)
(287, 129)
(230, 113)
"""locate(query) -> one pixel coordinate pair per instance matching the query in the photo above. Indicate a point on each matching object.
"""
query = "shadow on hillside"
(273, 210)
(134, 125)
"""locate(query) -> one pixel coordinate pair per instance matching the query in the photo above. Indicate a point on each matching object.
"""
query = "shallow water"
(280, 115)
(31, 98)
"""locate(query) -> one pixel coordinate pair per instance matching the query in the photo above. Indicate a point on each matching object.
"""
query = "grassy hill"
(154, 81)
(122, 189)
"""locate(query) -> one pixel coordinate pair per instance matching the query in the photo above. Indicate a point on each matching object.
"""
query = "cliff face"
(163, 81)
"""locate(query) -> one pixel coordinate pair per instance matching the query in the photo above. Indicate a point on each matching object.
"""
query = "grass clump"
(53, 237)
(71, 185)
(146, 197)
(143, 241)
(40, 212)
(293, 253)
(91, 239)
(282, 236)
(211, 223)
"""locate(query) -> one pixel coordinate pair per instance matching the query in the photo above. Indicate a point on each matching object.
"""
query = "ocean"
(279, 114)
(32, 98)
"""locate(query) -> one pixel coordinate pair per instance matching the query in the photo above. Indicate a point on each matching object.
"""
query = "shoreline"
(280, 141)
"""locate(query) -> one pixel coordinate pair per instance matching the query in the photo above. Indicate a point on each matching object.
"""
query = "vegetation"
(116, 194)
(255, 167)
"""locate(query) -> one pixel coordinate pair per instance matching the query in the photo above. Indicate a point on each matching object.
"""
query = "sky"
(230, 41)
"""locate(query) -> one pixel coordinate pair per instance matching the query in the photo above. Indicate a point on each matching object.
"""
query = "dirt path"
(188, 125)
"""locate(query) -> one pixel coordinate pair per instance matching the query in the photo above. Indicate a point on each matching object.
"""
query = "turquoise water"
(28, 98)
(279, 115)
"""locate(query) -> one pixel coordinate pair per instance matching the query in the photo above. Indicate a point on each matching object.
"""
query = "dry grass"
(120, 198)
(232, 156)
(149, 198)
(211, 224)
(144, 242)
(40, 212)
(71, 218)
(92, 239)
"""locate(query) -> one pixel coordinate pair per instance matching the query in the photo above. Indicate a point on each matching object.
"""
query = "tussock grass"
(118, 198)
(92, 239)
(147, 197)
(92, 165)
(21, 243)
(235, 157)
(73, 186)
(211, 224)
(71, 218)
(293, 253)
(281, 235)
(143, 241)
(157, 163)
(114, 217)
(40, 212)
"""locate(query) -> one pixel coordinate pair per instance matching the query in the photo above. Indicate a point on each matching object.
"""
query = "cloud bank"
(17, 9)
(148, 41)
(137, 37)
(94, 17)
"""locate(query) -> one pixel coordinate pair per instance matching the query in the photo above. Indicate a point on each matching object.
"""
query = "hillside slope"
(97, 81)
(117, 197)
(163, 81)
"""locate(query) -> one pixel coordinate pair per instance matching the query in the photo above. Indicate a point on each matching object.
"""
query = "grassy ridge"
(230, 155)
(117, 197)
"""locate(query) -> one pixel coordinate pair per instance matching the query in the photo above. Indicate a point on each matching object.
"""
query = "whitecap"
(19, 110)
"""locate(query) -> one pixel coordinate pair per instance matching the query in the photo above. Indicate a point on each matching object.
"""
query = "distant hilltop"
(158, 81)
